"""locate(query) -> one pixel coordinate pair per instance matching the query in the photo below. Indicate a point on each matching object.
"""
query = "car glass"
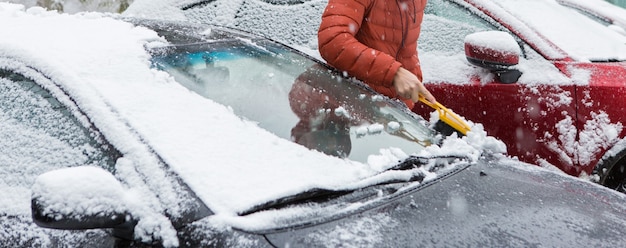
(621, 3)
(600, 17)
(296, 98)
(597, 18)
(580, 37)
(39, 134)
(441, 45)
(445, 26)
(270, 18)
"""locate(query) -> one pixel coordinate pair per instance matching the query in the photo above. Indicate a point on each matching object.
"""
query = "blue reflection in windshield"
(297, 98)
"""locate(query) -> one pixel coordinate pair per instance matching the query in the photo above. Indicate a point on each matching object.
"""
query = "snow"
(582, 38)
(108, 75)
(597, 134)
(497, 40)
(602, 9)
(363, 232)
(292, 24)
(87, 197)
(75, 6)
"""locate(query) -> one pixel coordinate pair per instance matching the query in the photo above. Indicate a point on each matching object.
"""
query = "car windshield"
(295, 97)
(602, 12)
(579, 36)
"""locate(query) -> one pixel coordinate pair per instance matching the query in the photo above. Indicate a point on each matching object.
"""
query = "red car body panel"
(545, 123)
(513, 113)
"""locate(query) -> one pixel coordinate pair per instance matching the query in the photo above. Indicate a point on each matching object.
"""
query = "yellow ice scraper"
(447, 116)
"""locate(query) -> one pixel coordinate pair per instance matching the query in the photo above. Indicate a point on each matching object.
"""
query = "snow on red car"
(562, 105)
(602, 11)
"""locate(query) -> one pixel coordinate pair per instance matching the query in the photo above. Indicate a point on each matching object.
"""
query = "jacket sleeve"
(337, 44)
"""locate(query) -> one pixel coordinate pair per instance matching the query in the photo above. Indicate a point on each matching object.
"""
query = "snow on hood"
(230, 164)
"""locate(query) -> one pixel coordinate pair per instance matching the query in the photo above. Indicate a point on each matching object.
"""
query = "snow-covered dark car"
(146, 133)
(560, 105)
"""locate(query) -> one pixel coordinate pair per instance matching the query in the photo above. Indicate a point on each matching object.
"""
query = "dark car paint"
(481, 207)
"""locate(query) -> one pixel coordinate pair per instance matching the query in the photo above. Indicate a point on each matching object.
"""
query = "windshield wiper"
(311, 195)
(317, 195)
(413, 162)
(611, 60)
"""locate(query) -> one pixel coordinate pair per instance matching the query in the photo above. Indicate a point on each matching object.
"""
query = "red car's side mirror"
(495, 51)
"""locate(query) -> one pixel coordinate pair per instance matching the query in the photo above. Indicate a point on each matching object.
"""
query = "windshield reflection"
(296, 98)
(325, 120)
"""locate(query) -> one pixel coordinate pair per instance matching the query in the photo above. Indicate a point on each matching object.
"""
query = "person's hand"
(408, 86)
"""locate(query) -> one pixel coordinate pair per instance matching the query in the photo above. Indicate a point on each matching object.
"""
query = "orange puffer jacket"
(371, 39)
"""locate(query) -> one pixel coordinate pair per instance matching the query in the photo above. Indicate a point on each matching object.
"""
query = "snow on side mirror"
(495, 51)
(83, 197)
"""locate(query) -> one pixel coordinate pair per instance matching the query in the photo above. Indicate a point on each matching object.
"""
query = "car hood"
(486, 205)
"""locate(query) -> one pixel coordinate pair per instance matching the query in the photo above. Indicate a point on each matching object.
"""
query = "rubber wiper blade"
(413, 162)
(311, 195)
(323, 195)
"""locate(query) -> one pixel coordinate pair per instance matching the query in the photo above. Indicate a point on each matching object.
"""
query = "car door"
(601, 116)
(527, 114)
(38, 133)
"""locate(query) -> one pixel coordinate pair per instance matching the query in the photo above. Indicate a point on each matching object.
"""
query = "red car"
(557, 99)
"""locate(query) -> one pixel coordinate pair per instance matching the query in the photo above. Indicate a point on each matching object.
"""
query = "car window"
(445, 26)
(621, 3)
(597, 18)
(289, 21)
(608, 17)
(296, 98)
(38, 133)
(580, 37)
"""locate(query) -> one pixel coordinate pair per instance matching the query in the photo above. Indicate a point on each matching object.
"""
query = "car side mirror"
(495, 51)
(83, 197)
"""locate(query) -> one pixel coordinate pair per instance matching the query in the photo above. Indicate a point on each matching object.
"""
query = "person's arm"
(337, 44)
